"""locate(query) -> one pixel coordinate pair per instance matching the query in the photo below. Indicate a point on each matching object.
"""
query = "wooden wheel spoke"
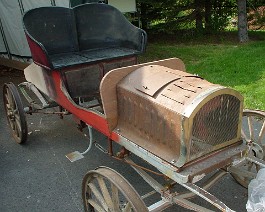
(105, 193)
(17, 116)
(12, 124)
(7, 101)
(261, 134)
(99, 197)
(10, 98)
(250, 127)
(18, 127)
(18, 122)
(104, 189)
(95, 205)
(253, 121)
(243, 134)
(15, 112)
(8, 107)
(115, 197)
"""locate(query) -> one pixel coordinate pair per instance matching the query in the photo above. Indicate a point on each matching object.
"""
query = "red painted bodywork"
(38, 53)
(96, 121)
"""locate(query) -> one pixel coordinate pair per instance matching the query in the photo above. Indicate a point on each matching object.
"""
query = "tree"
(207, 16)
(200, 16)
(199, 6)
(242, 21)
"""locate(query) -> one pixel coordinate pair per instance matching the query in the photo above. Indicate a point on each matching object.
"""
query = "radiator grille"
(215, 124)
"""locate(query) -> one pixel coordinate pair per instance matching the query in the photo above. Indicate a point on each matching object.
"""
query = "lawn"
(221, 60)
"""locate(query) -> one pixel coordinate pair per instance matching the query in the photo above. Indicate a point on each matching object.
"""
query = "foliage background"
(199, 16)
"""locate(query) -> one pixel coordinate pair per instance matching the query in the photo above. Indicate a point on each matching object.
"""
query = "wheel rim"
(253, 131)
(106, 190)
(14, 112)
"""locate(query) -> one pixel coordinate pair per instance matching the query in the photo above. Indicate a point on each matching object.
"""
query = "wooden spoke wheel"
(253, 130)
(104, 189)
(15, 113)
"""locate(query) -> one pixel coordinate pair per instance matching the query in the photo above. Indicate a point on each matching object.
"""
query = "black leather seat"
(63, 37)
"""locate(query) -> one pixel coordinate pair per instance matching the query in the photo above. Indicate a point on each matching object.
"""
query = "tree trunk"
(198, 8)
(242, 21)
(143, 10)
(207, 16)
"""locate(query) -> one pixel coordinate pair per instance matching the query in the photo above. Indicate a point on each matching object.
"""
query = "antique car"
(85, 64)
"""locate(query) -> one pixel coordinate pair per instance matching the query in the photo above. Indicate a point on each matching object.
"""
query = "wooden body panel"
(36, 75)
(41, 78)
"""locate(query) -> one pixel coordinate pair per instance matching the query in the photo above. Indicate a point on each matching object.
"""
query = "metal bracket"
(33, 104)
(207, 196)
(256, 160)
(76, 155)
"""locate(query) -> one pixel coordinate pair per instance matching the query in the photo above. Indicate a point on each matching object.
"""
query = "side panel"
(149, 125)
(36, 75)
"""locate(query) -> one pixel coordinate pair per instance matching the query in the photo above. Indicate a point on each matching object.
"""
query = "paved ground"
(38, 177)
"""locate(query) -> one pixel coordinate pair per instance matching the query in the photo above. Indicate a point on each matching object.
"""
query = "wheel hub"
(257, 150)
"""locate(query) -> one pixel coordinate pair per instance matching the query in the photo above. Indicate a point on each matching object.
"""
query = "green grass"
(221, 61)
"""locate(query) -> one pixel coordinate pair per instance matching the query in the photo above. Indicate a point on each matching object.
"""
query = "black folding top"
(61, 37)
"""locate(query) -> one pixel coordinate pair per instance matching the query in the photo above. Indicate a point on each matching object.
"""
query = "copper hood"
(175, 115)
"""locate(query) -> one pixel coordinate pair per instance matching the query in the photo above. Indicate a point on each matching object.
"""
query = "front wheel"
(252, 132)
(104, 189)
(15, 112)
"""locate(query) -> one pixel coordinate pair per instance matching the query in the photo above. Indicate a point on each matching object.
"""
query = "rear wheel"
(104, 189)
(15, 112)
(253, 130)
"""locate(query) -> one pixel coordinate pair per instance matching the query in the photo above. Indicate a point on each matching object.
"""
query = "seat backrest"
(53, 27)
(101, 26)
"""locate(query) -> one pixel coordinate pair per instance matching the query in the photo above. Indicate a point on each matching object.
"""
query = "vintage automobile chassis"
(85, 64)
(183, 170)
